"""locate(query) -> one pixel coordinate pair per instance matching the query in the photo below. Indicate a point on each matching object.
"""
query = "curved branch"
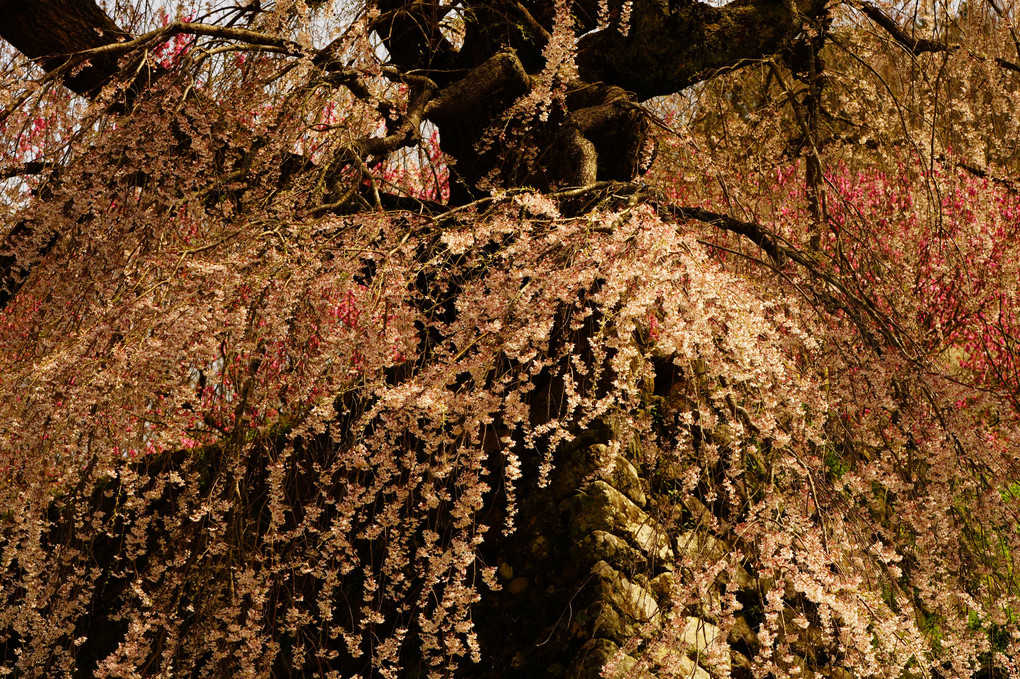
(756, 233)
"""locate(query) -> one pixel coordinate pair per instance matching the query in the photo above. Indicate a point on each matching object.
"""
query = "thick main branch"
(49, 31)
(670, 46)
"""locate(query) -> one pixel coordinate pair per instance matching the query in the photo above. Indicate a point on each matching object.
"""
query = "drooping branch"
(1012, 32)
(916, 46)
(773, 246)
(919, 46)
(982, 173)
(755, 233)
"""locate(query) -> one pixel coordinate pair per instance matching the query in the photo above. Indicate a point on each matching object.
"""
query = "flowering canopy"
(308, 308)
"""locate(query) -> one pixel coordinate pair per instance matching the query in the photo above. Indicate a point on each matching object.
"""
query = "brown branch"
(915, 46)
(408, 126)
(31, 167)
(88, 80)
(756, 233)
(918, 46)
(501, 74)
(1012, 32)
(1009, 65)
(48, 31)
(353, 80)
(982, 173)
(177, 28)
(537, 29)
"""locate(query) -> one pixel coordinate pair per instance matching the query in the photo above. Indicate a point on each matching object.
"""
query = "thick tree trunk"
(592, 131)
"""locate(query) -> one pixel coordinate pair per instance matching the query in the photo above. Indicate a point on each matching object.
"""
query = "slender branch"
(756, 233)
(116, 49)
(982, 173)
(207, 30)
(1008, 65)
(1012, 32)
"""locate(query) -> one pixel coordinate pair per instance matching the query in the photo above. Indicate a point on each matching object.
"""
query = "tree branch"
(918, 46)
(49, 31)
(756, 233)
(31, 167)
(670, 46)
(501, 75)
(915, 46)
